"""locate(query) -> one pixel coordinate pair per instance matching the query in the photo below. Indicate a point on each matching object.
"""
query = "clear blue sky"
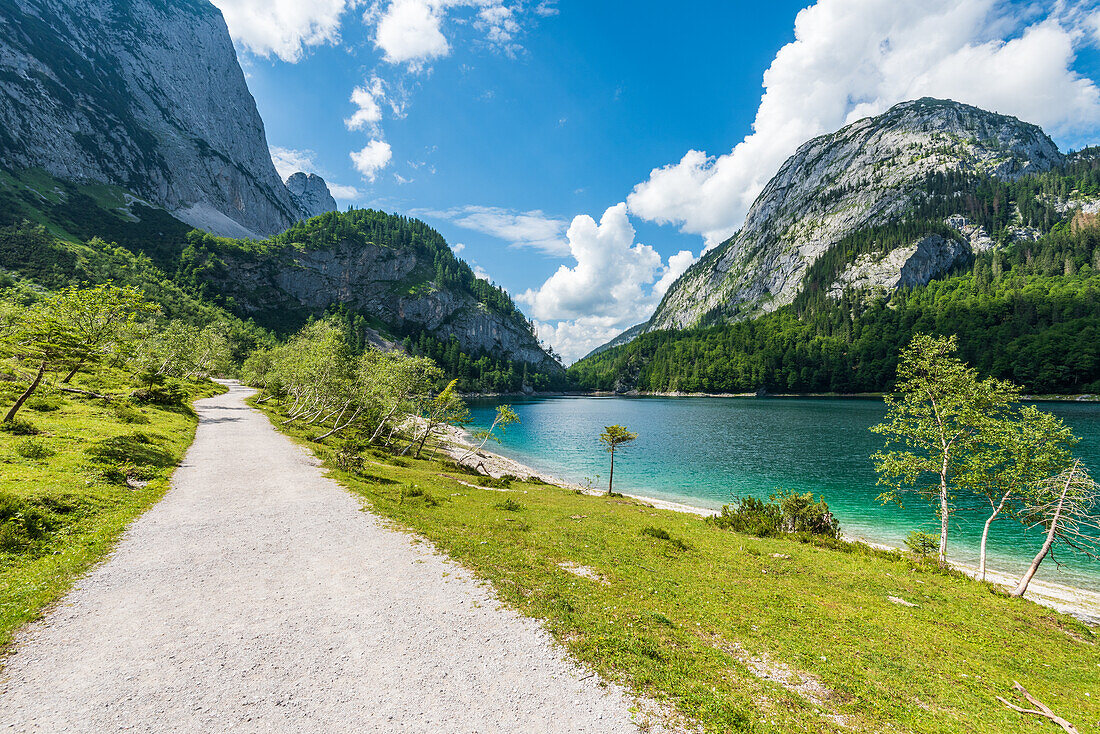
(513, 118)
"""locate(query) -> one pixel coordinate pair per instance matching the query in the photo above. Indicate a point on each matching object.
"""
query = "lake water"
(707, 451)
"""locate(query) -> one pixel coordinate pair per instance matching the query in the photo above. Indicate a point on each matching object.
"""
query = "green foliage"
(786, 512)
(44, 405)
(936, 422)
(33, 448)
(921, 544)
(19, 427)
(509, 505)
(129, 413)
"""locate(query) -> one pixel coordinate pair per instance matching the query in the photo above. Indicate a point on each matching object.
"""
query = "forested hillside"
(388, 279)
(1024, 309)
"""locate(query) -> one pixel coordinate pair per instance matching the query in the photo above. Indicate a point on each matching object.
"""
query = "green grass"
(684, 612)
(68, 491)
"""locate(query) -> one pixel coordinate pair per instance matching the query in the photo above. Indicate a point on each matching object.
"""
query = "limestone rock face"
(375, 280)
(904, 267)
(311, 194)
(867, 174)
(142, 94)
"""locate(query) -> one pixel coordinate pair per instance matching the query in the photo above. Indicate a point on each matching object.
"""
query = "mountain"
(934, 217)
(870, 173)
(311, 194)
(146, 95)
(395, 278)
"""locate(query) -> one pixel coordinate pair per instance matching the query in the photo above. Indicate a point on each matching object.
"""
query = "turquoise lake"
(708, 451)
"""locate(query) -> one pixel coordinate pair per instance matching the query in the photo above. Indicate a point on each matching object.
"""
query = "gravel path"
(259, 597)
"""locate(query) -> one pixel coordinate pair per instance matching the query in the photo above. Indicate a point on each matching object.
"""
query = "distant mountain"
(870, 173)
(936, 217)
(394, 277)
(146, 95)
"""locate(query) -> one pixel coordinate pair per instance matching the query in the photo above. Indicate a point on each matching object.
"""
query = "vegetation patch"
(785, 633)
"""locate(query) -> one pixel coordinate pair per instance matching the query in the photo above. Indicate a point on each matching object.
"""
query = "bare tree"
(1065, 505)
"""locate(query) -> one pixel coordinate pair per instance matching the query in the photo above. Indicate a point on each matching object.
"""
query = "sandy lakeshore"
(1081, 603)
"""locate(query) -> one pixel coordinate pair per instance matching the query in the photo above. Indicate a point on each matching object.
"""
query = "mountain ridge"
(760, 268)
(145, 95)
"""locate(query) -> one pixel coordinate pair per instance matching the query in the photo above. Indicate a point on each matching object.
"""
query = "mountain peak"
(311, 194)
(866, 174)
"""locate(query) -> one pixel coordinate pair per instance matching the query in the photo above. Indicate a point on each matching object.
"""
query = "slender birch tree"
(1016, 455)
(935, 419)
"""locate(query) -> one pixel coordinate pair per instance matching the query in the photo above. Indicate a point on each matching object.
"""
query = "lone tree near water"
(612, 438)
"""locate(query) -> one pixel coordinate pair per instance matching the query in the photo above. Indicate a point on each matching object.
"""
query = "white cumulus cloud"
(615, 283)
(283, 28)
(532, 229)
(413, 32)
(368, 111)
(289, 161)
(372, 158)
(854, 58)
(410, 31)
(342, 192)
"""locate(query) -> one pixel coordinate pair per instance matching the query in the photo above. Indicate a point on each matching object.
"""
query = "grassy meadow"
(738, 633)
(73, 473)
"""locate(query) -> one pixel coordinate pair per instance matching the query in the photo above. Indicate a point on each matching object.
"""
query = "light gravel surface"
(258, 596)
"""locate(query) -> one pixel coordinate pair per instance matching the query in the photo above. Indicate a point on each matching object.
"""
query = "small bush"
(169, 394)
(23, 524)
(786, 512)
(409, 491)
(128, 413)
(921, 544)
(349, 456)
(509, 505)
(44, 405)
(19, 427)
(33, 448)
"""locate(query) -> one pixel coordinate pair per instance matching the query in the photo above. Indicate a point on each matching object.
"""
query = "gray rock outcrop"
(142, 94)
(904, 267)
(374, 279)
(867, 174)
(311, 194)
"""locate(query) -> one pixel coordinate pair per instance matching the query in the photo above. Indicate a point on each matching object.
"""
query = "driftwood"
(1043, 710)
(85, 392)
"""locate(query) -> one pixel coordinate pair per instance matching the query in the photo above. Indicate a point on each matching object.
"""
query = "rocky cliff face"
(385, 282)
(142, 94)
(310, 194)
(866, 174)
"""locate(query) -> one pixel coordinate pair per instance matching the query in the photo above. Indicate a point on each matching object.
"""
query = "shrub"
(19, 427)
(128, 413)
(509, 505)
(921, 544)
(170, 394)
(786, 512)
(33, 448)
(22, 524)
(349, 456)
(44, 405)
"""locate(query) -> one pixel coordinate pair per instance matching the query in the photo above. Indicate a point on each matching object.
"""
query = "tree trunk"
(424, 440)
(611, 476)
(72, 372)
(945, 511)
(985, 535)
(27, 393)
(1022, 586)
